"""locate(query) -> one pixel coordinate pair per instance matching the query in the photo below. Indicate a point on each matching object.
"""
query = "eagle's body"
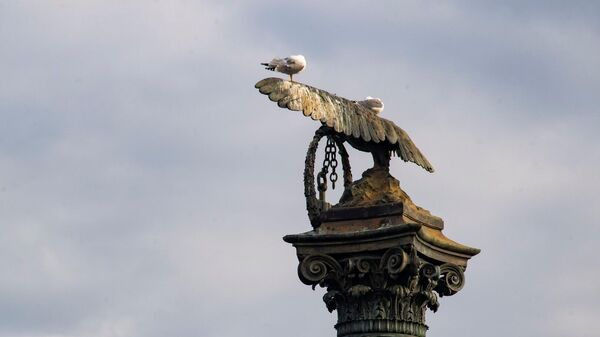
(290, 65)
(358, 124)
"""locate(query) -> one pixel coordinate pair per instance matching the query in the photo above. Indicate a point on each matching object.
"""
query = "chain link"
(330, 160)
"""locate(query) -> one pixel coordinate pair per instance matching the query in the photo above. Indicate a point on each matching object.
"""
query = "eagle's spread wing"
(343, 115)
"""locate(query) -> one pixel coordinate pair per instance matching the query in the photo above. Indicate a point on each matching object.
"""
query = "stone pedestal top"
(359, 231)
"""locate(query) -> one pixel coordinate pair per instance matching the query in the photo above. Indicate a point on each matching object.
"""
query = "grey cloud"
(139, 166)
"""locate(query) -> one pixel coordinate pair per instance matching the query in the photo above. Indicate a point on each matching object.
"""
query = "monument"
(382, 259)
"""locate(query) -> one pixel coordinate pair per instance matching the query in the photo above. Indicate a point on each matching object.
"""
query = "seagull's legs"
(291, 80)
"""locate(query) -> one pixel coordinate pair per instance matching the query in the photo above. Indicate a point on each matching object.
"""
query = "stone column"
(382, 272)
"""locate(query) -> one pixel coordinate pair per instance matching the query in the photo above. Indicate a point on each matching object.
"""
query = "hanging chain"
(333, 177)
(330, 160)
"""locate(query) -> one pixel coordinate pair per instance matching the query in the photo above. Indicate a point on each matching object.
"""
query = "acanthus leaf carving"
(358, 290)
(388, 292)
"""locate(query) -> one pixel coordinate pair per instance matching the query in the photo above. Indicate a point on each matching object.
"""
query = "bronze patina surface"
(382, 259)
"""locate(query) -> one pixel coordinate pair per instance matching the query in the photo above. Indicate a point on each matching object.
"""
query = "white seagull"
(290, 65)
(373, 104)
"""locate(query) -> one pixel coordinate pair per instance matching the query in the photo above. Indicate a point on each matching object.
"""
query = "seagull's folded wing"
(372, 103)
(343, 115)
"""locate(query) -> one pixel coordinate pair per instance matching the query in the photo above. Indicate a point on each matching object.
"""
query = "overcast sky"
(145, 185)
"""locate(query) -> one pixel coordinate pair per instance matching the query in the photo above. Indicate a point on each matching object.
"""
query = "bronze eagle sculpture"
(360, 126)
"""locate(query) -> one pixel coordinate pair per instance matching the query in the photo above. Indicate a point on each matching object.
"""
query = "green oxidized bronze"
(383, 260)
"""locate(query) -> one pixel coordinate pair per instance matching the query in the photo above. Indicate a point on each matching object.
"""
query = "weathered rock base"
(377, 188)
